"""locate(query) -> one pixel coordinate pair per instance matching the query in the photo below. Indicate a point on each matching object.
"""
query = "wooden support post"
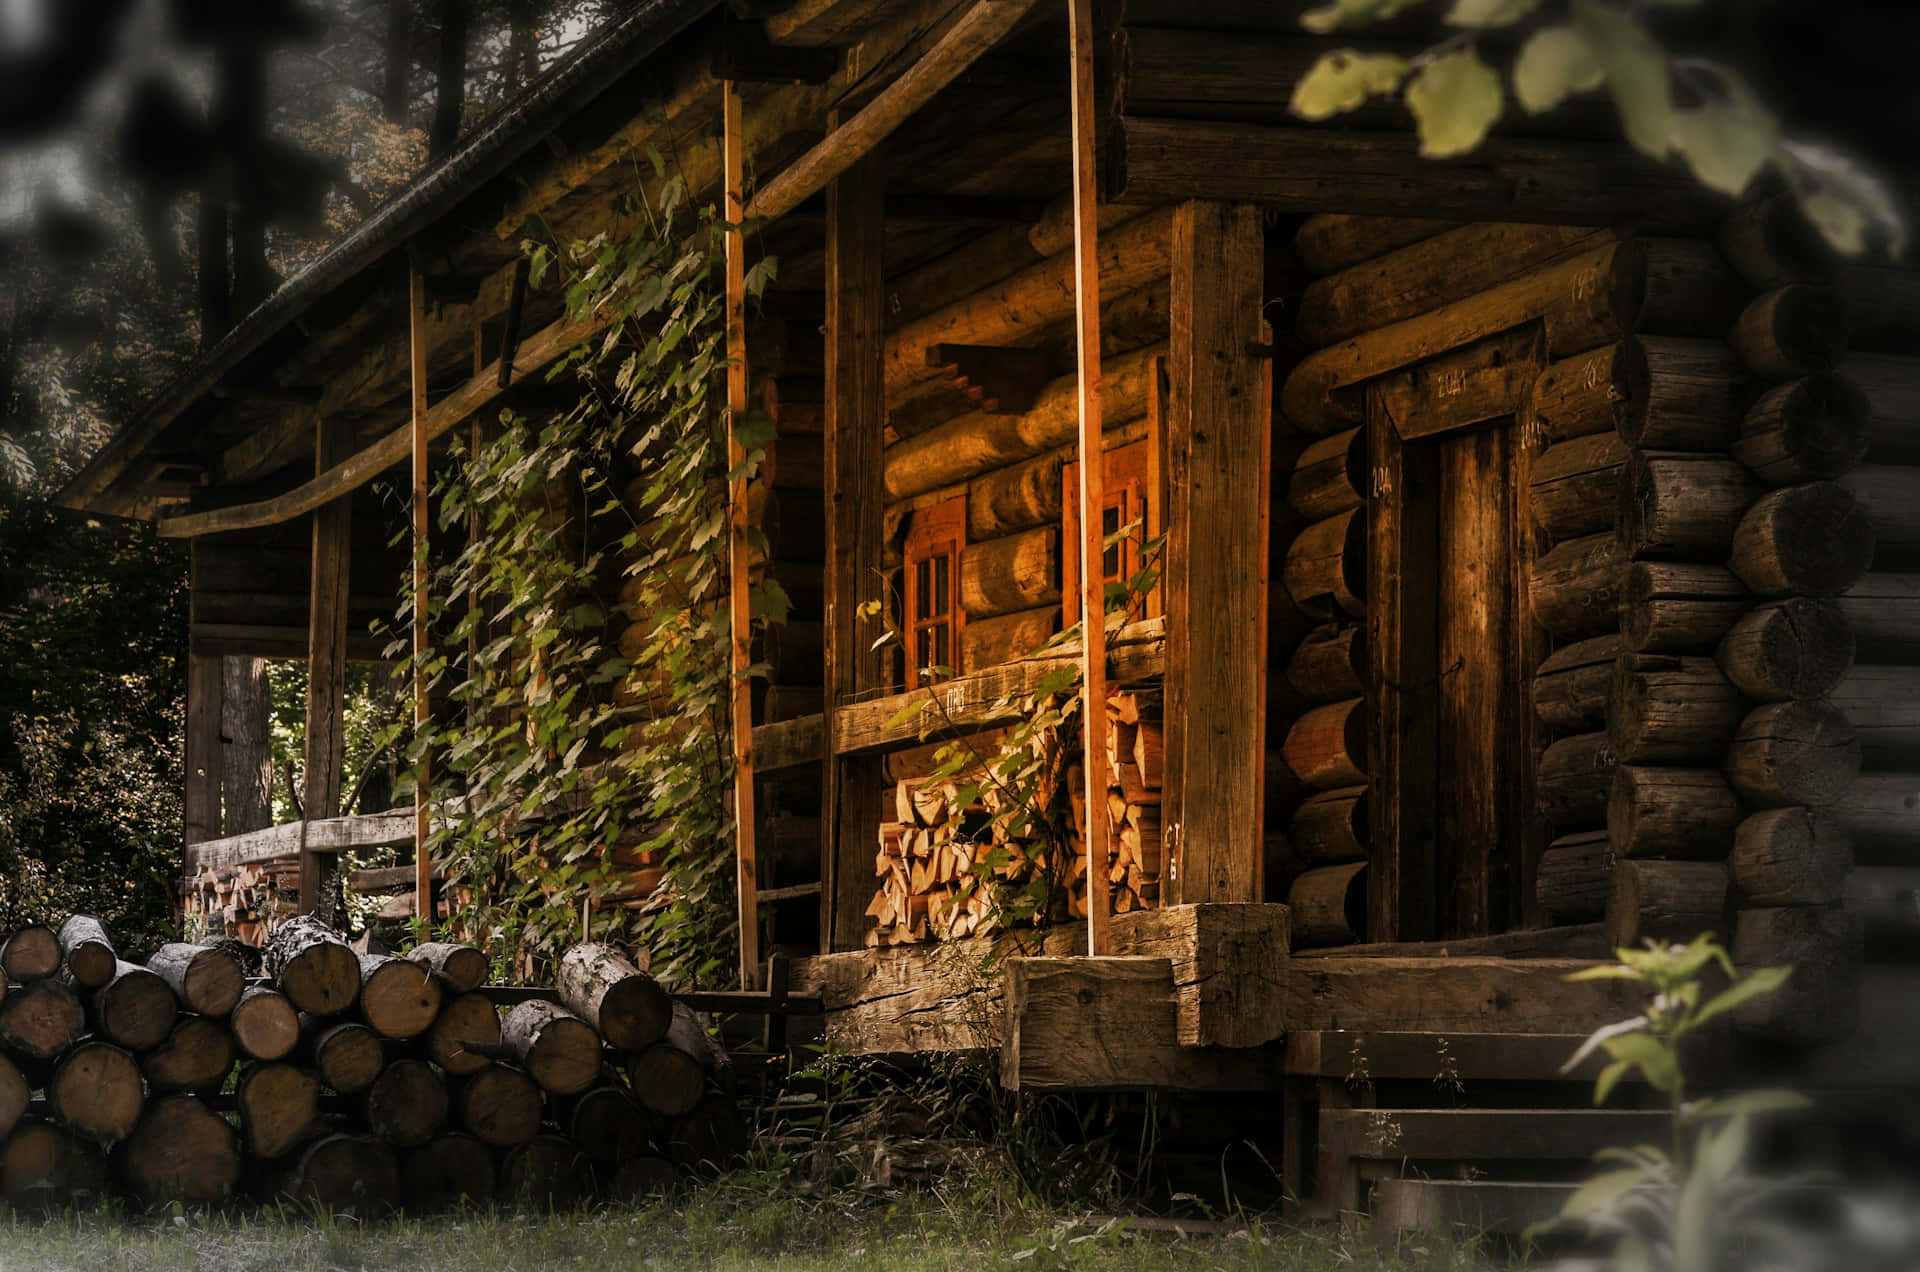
(1093, 484)
(422, 802)
(739, 601)
(326, 667)
(1218, 437)
(202, 802)
(856, 415)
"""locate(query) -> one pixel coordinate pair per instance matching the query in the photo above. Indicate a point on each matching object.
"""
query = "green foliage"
(1698, 110)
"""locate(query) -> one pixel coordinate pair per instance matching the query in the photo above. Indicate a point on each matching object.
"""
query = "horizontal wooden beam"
(329, 835)
(1469, 995)
(982, 27)
(536, 351)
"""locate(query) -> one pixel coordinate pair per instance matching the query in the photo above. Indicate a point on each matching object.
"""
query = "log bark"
(1882, 703)
(1794, 753)
(345, 1174)
(548, 1172)
(993, 642)
(1808, 429)
(1329, 241)
(1325, 569)
(1328, 906)
(45, 1167)
(1574, 878)
(1682, 508)
(265, 1026)
(399, 998)
(1883, 612)
(460, 969)
(1820, 1002)
(1574, 590)
(1690, 289)
(1811, 540)
(1015, 498)
(1790, 856)
(204, 979)
(197, 1056)
(1769, 242)
(463, 1019)
(1331, 826)
(627, 1006)
(1573, 779)
(1570, 689)
(1671, 812)
(346, 1054)
(609, 1126)
(279, 1107)
(95, 1092)
(1671, 709)
(1679, 608)
(669, 1076)
(41, 1019)
(1576, 486)
(1327, 747)
(1890, 494)
(88, 951)
(451, 1171)
(499, 1105)
(1791, 331)
(182, 1152)
(30, 953)
(1599, 391)
(1695, 390)
(240, 952)
(1665, 901)
(309, 963)
(135, 1009)
(1879, 812)
(1796, 648)
(1018, 572)
(1331, 663)
(407, 1104)
(557, 1049)
(1330, 477)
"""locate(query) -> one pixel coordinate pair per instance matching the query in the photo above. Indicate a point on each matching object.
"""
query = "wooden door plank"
(326, 668)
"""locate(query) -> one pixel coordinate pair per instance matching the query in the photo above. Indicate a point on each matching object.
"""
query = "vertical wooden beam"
(1093, 480)
(326, 667)
(739, 600)
(855, 418)
(201, 805)
(422, 713)
(1218, 453)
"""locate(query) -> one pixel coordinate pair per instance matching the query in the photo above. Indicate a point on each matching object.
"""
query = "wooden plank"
(331, 836)
(1109, 1024)
(1423, 1057)
(978, 30)
(739, 551)
(1091, 606)
(787, 744)
(855, 425)
(346, 474)
(1229, 967)
(422, 715)
(1470, 995)
(1215, 584)
(1575, 940)
(1489, 1135)
(201, 805)
(326, 669)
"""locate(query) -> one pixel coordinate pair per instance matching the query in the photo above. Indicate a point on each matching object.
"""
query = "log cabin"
(1537, 569)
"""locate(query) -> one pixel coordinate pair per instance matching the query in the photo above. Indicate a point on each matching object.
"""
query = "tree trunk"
(464, 1019)
(1811, 540)
(1791, 331)
(623, 1003)
(396, 95)
(181, 1152)
(499, 1105)
(1796, 648)
(95, 1091)
(1570, 689)
(407, 1104)
(450, 1171)
(1794, 753)
(30, 953)
(1804, 430)
(205, 979)
(135, 1009)
(1329, 906)
(347, 1055)
(265, 1025)
(460, 969)
(88, 951)
(197, 1056)
(279, 1107)
(1671, 812)
(398, 997)
(1574, 878)
(669, 1076)
(336, 1173)
(1665, 901)
(41, 1019)
(312, 966)
(450, 79)
(1790, 856)
(246, 756)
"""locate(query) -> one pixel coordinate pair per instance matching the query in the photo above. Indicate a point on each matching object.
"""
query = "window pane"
(922, 598)
(942, 582)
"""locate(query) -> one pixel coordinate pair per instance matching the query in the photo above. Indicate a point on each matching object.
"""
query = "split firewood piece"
(548, 1172)
(44, 1166)
(558, 1050)
(312, 966)
(279, 1107)
(30, 953)
(346, 1054)
(407, 1104)
(41, 1019)
(669, 1076)
(135, 1008)
(195, 1057)
(182, 1151)
(265, 1025)
(95, 1091)
(465, 1034)
(450, 1170)
(399, 998)
(499, 1105)
(206, 979)
(460, 968)
(344, 1172)
(88, 951)
(626, 1005)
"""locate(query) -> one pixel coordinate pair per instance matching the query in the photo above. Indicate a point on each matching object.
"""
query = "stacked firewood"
(954, 840)
(246, 901)
(364, 1082)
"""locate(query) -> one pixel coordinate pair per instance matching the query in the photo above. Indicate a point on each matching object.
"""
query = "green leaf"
(1352, 13)
(1489, 13)
(1650, 1055)
(1727, 144)
(1636, 71)
(1747, 1104)
(1555, 63)
(1606, 971)
(1343, 80)
(1602, 1193)
(1610, 1078)
(1763, 981)
(1455, 99)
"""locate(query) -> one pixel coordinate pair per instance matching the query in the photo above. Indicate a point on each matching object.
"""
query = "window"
(932, 616)
(1131, 499)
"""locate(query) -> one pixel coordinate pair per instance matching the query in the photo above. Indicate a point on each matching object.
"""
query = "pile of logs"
(954, 840)
(364, 1082)
(245, 901)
